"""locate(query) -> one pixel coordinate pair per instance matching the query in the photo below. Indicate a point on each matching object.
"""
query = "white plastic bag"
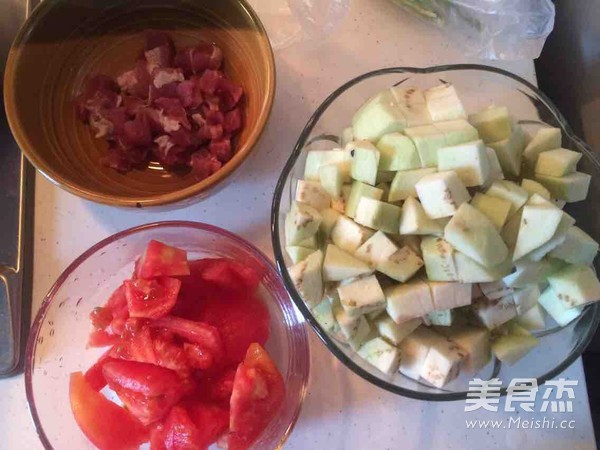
(490, 29)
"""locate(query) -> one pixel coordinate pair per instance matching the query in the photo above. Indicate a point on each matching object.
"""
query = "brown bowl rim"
(10, 105)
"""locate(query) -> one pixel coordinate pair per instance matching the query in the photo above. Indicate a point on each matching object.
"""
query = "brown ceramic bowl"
(63, 42)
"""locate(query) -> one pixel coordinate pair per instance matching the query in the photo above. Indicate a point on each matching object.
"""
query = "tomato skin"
(258, 393)
(231, 275)
(198, 357)
(202, 334)
(148, 391)
(101, 317)
(94, 376)
(241, 320)
(210, 420)
(180, 432)
(151, 298)
(105, 424)
(142, 378)
(100, 338)
(161, 260)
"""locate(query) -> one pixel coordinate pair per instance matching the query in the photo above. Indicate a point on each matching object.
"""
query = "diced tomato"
(143, 378)
(197, 356)
(94, 376)
(147, 390)
(157, 437)
(136, 343)
(258, 392)
(232, 275)
(161, 260)
(206, 336)
(100, 338)
(170, 354)
(148, 410)
(210, 420)
(106, 425)
(151, 298)
(180, 432)
(117, 304)
(217, 388)
(101, 317)
(241, 320)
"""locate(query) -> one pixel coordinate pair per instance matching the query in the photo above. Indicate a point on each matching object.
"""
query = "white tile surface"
(341, 411)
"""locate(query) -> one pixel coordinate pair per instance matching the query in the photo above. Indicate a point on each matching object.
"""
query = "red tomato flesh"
(148, 391)
(258, 392)
(202, 334)
(100, 338)
(161, 260)
(180, 432)
(143, 378)
(241, 320)
(211, 421)
(151, 298)
(105, 424)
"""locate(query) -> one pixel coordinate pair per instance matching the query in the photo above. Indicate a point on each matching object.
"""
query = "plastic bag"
(490, 29)
(291, 22)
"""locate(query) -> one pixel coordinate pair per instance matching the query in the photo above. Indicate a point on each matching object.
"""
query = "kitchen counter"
(341, 410)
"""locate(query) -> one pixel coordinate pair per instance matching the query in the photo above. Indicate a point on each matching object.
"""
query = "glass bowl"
(56, 346)
(478, 86)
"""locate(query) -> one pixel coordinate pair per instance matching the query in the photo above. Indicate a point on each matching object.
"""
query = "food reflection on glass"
(186, 365)
(175, 106)
(432, 239)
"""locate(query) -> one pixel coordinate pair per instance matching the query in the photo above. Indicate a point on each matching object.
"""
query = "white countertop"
(341, 411)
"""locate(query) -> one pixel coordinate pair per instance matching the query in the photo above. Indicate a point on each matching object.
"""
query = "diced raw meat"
(176, 105)
(100, 125)
(184, 138)
(168, 153)
(99, 92)
(211, 131)
(233, 121)
(229, 93)
(137, 81)
(189, 93)
(137, 132)
(162, 76)
(204, 164)
(209, 81)
(195, 60)
(173, 114)
(132, 104)
(221, 149)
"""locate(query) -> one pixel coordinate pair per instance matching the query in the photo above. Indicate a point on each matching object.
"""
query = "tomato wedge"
(143, 378)
(94, 376)
(100, 338)
(241, 319)
(161, 260)
(231, 275)
(180, 432)
(211, 421)
(258, 392)
(206, 336)
(147, 390)
(105, 424)
(151, 298)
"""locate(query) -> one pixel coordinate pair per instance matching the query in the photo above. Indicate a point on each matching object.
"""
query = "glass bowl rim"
(303, 348)
(593, 309)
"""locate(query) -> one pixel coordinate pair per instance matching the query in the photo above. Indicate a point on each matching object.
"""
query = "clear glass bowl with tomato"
(64, 341)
